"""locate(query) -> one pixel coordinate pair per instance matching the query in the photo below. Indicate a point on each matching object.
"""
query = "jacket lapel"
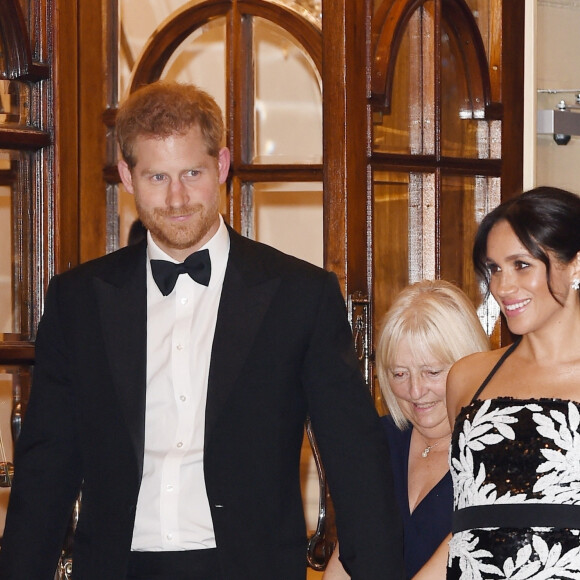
(122, 302)
(246, 295)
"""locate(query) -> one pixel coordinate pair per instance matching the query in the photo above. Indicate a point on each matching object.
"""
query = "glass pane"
(288, 216)
(461, 134)
(138, 19)
(288, 99)
(482, 11)
(5, 439)
(200, 59)
(410, 126)
(16, 248)
(14, 103)
(7, 321)
(2, 58)
(390, 238)
(14, 386)
(464, 202)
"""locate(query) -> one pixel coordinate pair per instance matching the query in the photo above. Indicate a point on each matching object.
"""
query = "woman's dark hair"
(545, 219)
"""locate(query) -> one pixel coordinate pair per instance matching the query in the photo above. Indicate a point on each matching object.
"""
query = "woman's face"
(519, 283)
(419, 386)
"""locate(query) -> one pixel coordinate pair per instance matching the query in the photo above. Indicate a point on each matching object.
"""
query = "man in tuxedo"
(176, 403)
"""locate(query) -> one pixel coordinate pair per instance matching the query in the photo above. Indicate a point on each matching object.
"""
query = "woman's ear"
(575, 272)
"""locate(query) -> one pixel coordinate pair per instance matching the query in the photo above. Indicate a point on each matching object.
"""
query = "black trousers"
(188, 565)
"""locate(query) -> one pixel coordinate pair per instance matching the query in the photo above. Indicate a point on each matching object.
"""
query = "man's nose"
(177, 195)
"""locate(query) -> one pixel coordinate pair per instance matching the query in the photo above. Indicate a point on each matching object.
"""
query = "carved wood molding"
(14, 32)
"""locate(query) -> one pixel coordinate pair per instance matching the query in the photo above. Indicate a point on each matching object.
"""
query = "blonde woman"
(430, 325)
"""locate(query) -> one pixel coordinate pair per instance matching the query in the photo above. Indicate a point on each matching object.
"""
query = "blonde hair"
(437, 319)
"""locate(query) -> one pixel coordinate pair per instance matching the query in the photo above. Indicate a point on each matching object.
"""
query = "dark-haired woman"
(515, 450)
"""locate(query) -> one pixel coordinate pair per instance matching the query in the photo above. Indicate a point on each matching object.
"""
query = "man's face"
(177, 187)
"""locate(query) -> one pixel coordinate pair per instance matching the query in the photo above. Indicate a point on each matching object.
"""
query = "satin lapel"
(246, 295)
(122, 302)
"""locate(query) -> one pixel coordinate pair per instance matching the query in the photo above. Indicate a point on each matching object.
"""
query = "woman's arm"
(436, 566)
(334, 569)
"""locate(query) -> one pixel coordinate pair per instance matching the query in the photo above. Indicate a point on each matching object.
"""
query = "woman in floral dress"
(515, 449)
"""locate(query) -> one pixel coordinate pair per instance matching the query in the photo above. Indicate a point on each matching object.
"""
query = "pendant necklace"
(427, 449)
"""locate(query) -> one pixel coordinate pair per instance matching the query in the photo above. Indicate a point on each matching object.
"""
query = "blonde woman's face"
(419, 386)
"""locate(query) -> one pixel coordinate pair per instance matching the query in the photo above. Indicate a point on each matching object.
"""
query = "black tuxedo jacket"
(282, 349)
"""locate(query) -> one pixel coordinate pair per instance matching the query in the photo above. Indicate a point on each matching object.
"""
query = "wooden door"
(444, 140)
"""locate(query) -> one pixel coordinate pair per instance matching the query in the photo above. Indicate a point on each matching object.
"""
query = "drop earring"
(575, 284)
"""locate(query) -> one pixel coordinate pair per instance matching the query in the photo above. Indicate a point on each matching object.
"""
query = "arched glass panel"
(483, 14)
(410, 125)
(461, 134)
(425, 216)
(288, 99)
(201, 59)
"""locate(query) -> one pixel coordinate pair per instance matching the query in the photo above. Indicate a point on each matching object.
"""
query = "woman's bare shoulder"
(467, 375)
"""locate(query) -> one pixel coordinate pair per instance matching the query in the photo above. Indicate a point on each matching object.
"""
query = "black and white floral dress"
(515, 466)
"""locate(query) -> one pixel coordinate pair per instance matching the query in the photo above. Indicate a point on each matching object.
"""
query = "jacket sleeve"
(46, 463)
(353, 446)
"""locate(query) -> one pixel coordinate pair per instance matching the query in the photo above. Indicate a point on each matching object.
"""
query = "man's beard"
(175, 235)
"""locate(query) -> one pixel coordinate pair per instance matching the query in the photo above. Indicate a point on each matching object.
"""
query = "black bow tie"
(165, 273)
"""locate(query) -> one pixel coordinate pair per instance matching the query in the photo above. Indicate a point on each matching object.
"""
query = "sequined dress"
(515, 465)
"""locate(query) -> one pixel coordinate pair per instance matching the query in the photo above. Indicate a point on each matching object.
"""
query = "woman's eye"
(492, 269)
(520, 265)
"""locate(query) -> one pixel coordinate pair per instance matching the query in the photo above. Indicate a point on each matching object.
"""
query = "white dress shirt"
(173, 510)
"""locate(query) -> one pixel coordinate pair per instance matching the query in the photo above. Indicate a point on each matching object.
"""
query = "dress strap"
(496, 367)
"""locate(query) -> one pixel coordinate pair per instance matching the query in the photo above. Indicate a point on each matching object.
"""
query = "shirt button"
(180, 445)
(169, 488)
(183, 398)
(179, 347)
(169, 537)
(184, 300)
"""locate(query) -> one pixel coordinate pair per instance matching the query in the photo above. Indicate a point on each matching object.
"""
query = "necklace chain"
(428, 447)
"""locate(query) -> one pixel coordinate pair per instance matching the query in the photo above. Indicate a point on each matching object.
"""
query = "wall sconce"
(563, 121)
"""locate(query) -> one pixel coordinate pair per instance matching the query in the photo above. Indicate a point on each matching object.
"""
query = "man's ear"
(125, 175)
(223, 164)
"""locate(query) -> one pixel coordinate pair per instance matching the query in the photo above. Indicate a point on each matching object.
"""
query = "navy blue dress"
(428, 525)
